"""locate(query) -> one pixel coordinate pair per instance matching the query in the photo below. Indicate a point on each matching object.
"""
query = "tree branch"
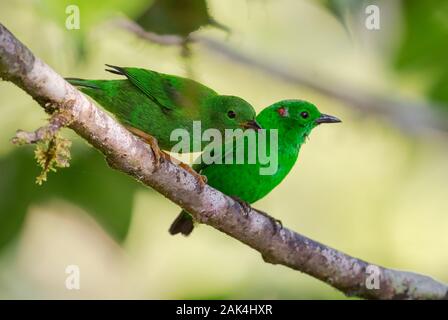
(412, 117)
(164, 40)
(55, 123)
(127, 153)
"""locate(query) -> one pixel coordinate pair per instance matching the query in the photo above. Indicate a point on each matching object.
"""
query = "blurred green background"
(367, 187)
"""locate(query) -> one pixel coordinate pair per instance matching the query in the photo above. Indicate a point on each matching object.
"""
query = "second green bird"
(153, 104)
(293, 120)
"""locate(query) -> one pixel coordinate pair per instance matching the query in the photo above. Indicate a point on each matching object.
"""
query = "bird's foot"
(243, 204)
(202, 180)
(152, 141)
(158, 154)
(277, 224)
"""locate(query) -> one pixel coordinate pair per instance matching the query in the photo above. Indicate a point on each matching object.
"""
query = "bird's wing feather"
(229, 148)
(169, 92)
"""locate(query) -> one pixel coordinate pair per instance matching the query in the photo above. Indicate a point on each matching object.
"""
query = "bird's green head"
(230, 112)
(294, 115)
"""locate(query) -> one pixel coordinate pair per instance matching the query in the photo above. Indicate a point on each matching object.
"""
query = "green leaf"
(17, 188)
(176, 17)
(89, 183)
(423, 48)
(343, 9)
(91, 14)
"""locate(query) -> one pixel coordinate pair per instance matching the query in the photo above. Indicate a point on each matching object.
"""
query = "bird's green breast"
(245, 181)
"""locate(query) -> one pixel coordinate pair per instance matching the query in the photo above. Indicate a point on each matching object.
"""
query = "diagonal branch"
(127, 153)
(411, 116)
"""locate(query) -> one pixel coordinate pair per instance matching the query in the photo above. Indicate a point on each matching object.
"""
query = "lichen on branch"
(51, 154)
(52, 150)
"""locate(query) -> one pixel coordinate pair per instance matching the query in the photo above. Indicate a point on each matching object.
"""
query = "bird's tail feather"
(183, 224)
(115, 70)
(82, 83)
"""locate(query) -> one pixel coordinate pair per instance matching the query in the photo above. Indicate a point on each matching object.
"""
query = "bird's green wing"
(167, 91)
(229, 148)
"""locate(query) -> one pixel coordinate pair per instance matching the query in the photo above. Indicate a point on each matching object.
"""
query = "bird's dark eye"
(304, 114)
(231, 114)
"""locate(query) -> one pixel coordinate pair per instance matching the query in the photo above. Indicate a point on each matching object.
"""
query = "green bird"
(152, 104)
(294, 120)
(177, 17)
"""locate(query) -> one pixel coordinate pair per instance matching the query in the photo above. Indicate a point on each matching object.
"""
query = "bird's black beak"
(251, 124)
(325, 118)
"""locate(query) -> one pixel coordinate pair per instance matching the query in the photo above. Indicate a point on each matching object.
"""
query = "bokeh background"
(371, 187)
